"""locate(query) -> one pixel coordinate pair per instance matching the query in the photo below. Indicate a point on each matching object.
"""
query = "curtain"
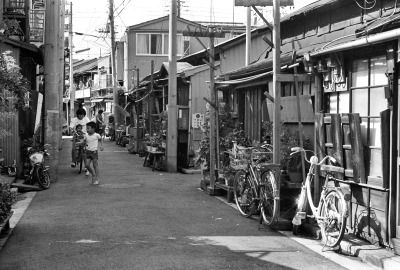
(142, 44)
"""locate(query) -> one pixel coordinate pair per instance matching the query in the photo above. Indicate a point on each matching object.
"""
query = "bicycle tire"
(334, 216)
(80, 160)
(43, 177)
(268, 196)
(242, 193)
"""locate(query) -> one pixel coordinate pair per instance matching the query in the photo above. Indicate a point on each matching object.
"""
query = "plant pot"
(148, 148)
(296, 177)
(154, 149)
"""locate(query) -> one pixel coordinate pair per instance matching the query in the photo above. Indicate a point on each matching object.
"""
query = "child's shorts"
(92, 154)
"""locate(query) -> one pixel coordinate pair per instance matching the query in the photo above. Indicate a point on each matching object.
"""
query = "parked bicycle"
(332, 212)
(256, 189)
(37, 171)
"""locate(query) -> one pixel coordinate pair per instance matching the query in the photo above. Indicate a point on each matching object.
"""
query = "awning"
(244, 80)
(97, 100)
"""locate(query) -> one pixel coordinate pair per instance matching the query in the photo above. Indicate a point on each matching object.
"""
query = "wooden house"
(29, 58)
(348, 57)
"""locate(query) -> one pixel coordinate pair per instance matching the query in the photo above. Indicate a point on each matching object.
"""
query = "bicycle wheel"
(80, 160)
(43, 177)
(269, 197)
(243, 193)
(333, 212)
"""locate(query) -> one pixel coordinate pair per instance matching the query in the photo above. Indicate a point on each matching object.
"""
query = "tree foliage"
(14, 89)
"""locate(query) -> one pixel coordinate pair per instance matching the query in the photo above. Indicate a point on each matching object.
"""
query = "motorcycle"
(36, 169)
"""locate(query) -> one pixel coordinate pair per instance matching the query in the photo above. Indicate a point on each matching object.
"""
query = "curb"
(19, 209)
(375, 256)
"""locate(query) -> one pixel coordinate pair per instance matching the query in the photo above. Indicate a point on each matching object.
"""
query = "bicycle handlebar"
(313, 159)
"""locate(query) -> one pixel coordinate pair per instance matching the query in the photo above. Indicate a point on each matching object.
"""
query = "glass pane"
(378, 69)
(179, 45)
(333, 103)
(344, 102)
(360, 73)
(142, 44)
(156, 43)
(364, 127)
(375, 132)
(359, 102)
(166, 44)
(375, 166)
(378, 101)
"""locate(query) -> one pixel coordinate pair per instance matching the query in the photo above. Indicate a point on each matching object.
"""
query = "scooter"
(37, 171)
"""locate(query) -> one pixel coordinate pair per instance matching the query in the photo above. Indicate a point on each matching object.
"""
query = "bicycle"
(332, 212)
(255, 188)
(80, 157)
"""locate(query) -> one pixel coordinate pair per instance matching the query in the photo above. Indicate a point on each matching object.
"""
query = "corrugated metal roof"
(260, 30)
(85, 66)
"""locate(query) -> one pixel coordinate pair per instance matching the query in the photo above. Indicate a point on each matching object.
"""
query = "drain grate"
(120, 185)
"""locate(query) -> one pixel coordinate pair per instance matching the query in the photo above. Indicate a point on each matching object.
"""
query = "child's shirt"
(79, 136)
(92, 141)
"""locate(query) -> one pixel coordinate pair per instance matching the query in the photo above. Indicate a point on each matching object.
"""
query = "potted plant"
(7, 198)
(289, 139)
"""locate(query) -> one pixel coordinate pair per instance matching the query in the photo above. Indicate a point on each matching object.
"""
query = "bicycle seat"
(331, 168)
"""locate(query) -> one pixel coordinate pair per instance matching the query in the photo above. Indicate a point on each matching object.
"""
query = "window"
(156, 44)
(366, 97)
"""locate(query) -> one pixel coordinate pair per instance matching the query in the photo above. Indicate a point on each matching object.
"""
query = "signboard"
(264, 3)
(197, 120)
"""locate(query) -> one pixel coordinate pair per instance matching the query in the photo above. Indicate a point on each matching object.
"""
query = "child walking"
(92, 140)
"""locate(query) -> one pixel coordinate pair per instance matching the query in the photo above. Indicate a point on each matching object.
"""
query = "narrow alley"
(139, 219)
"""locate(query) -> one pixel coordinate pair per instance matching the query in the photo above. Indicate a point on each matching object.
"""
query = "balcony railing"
(14, 7)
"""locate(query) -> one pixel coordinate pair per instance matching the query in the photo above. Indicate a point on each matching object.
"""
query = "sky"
(90, 16)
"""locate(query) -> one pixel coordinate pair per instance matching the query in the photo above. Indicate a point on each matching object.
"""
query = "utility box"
(183, 118)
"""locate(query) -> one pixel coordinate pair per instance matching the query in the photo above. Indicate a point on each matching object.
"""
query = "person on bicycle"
(82, 120)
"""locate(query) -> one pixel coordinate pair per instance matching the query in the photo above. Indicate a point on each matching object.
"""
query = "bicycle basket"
(238, 164)
(256, 155)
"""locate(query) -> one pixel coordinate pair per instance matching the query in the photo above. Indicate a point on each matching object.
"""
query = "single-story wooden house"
(350, 104)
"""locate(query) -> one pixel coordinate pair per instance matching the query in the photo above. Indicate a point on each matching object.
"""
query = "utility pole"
(62, 65)
(172, 139)
(113, 65)
(51, 74)
(213, 102)
(150, 99)
(71, 68)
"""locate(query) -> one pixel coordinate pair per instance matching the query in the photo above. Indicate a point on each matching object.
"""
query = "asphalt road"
(139, 219)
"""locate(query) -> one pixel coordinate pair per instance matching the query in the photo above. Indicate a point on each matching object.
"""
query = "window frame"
(164, 41)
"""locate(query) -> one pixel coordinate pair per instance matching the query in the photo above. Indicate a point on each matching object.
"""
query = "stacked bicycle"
(255, 187)
(332, 212)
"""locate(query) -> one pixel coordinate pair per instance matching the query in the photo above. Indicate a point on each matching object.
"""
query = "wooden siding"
(253, 107)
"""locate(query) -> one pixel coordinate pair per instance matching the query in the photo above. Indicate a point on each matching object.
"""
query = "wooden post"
(51, 74)
(150, 99)
(117, 119)
(248, 35)
(276, 51)
(213, 124)
(276, 83)
(296, 88)
(137, 111)
(172, 139)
